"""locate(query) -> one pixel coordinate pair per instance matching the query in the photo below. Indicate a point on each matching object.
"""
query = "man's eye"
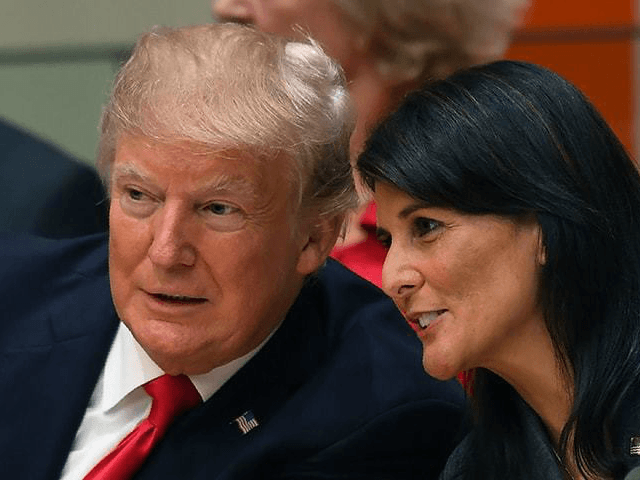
(134, 194)
(220, 209)
(136, 202)
(424, 226)
(224, 217)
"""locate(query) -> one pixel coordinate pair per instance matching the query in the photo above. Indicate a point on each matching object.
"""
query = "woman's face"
(468, 284)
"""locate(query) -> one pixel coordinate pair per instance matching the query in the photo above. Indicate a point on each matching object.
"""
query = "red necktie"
(171, 396)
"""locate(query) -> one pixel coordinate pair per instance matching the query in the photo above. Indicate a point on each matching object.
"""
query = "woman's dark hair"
(514, 139)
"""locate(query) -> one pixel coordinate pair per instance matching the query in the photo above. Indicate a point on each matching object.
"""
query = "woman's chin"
(439, 370)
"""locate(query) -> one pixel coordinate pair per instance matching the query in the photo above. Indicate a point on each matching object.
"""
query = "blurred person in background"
(45, 191)
(386, 48)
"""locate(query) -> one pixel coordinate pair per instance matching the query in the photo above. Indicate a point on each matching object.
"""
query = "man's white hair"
(229, 87)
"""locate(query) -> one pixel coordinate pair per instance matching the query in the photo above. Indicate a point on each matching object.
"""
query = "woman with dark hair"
(511, 213)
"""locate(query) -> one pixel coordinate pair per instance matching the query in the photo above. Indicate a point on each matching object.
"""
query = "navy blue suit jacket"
(44, 191)
(338, 391)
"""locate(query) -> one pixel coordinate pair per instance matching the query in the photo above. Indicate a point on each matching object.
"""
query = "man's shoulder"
(346, 294)
(51, 284)
(355, 310)
(371, 353)
(366, 408)
(29, 254)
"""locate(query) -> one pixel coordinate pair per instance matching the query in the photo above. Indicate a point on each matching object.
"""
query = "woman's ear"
(542, 249)
(318, 243)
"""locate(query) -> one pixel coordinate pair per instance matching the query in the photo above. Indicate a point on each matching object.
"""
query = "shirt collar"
(128, 367)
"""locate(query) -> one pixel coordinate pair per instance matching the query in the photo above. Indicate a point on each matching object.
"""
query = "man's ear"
(319, 241)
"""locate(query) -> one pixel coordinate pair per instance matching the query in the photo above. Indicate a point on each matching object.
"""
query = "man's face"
(206, 253)
(321, 19)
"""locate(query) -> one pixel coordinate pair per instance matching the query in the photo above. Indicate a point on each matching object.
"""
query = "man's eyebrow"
(228, 183)
(221, 183)
(131, 171)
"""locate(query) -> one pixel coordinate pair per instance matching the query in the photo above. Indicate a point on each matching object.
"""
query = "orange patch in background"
(603, 71)
(590, 43)
(574, 13)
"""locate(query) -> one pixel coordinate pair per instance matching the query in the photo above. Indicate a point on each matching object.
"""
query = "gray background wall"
(58, 58)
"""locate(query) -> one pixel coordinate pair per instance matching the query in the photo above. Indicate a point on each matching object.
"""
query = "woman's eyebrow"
(408, 210)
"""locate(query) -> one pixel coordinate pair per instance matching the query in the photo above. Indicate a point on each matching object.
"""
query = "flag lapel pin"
(634, 446)
(246, 422)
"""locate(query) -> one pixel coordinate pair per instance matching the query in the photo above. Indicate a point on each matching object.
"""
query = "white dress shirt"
(119, 401)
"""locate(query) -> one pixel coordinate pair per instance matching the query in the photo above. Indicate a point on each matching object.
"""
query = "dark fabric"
(535, 440)
(44, 191)
(338, 391)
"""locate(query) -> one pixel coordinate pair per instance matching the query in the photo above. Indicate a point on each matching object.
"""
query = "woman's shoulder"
(537, 457)
(454, 468)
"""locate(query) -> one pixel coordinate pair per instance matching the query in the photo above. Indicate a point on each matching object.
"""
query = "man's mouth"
(178, 299)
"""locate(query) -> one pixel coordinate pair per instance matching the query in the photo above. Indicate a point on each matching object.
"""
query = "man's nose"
(172, 244)
(231, 11)
(399, 277)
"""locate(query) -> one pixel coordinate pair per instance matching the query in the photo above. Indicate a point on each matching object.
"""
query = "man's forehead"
(198, 150)
(213, 167)
(178, 146)
(220, 179)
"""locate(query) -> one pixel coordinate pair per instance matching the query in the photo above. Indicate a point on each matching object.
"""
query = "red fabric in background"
(365, 258)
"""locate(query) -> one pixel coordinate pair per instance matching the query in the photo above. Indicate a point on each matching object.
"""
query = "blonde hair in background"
(419, 39)
(230, 87)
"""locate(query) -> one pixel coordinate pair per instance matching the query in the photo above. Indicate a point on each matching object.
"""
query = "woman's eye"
(384, 238)
(423, 226)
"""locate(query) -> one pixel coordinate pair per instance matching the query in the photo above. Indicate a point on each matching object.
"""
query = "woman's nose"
(399, 278)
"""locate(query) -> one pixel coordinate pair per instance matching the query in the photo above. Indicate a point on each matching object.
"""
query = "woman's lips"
(421, 321)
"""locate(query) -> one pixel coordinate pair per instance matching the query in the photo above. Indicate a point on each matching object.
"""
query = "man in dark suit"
(44, 191)
(226, 155)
